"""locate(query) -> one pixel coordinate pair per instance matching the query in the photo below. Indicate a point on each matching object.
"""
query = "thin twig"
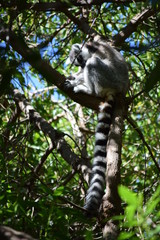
(73, 204)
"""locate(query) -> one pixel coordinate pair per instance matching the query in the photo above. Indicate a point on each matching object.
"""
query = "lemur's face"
(79, 55)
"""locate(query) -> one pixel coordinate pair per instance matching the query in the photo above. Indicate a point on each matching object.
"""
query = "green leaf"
(125, 235)
(127, 195)
(130, 212)
(59, 191)
(152, 203)
(88, 235)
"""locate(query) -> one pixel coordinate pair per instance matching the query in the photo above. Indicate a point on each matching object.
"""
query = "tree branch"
(56, 137)
(133, 25)
(35, 172)
(81, 23)
(11, 122)
(7, 233)
(33, 57)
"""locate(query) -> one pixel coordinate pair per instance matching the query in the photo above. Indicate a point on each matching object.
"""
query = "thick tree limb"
(7, 233)
(56, 137)
(32, 56)
(133, 25)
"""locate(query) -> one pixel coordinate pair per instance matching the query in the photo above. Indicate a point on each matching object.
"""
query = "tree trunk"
(111, 200)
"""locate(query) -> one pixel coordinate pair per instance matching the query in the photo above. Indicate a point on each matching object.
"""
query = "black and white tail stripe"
(97, 183)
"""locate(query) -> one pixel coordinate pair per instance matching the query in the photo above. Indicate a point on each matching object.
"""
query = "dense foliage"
(42, 183)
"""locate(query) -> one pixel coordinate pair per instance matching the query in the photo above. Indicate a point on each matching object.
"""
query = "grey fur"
(101, 72)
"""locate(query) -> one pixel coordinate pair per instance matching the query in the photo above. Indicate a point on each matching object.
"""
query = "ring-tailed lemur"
(104, 73)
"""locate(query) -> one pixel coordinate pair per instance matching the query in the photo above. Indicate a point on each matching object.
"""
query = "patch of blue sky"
(30, 79)
(36, 82)
(2, 44)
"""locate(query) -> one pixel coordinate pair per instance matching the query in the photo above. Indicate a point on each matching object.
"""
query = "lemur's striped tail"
(97, 182)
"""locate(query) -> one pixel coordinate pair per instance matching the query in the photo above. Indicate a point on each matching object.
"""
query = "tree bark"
(111, 200)
(7, 233)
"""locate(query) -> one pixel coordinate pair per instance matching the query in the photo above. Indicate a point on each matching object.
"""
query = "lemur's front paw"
(76, 89)
(68, 82)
